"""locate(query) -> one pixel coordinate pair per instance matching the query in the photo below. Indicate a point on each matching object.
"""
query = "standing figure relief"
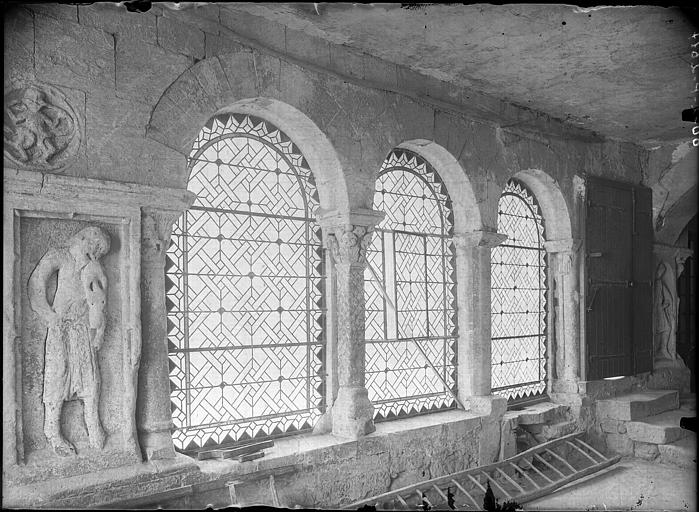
(665, 314)
(76, 323)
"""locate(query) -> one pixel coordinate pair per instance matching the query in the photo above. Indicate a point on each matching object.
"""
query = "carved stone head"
(89, 244)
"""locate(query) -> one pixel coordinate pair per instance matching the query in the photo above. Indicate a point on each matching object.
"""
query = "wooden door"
(619, 260)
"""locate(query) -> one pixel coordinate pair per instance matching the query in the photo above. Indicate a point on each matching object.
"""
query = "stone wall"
(131, 91)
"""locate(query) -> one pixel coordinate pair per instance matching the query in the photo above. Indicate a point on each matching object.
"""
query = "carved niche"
(41, 130)
(75, 332)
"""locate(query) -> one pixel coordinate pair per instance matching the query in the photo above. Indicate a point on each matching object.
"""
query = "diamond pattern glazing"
(245, 290)
(518, 297)
(412, 252)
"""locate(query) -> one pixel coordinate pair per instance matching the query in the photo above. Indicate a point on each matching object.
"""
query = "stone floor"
(631, 484)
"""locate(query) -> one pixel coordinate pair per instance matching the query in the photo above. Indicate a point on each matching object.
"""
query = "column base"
(156, 445)
(353, 413)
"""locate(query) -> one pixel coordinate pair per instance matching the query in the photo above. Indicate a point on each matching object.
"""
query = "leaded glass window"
(518, 297)
(245, 290)
(411, 256)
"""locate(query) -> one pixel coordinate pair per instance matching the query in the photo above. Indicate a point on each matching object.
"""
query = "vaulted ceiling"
(623, 72)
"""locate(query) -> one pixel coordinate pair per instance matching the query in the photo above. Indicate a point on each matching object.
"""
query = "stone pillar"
(473, 291)
(347, 237)
(564, 365)
(668, 264)
(154, 419)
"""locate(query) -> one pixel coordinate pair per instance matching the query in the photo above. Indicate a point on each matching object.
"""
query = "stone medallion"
(41, 130)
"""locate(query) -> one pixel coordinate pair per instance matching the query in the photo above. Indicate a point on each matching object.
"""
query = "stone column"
(668, 264)
(474, 347)
(153, 416)
(564, 365)
(347, 237)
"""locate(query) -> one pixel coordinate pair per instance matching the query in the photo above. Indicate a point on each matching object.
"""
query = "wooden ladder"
(524, 477)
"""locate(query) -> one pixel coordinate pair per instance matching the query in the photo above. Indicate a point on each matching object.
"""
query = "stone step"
(544, 412)
(682, 453)
(662, 428)
(636, 406)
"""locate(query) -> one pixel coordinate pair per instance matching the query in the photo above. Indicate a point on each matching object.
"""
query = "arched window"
(412, 258)
(518, 298)
(245, 290)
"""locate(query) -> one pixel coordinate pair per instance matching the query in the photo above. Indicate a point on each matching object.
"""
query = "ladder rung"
(549, 465)
(591, 449)
(540, 473)
(562, 460)
(525, 475)
(511, 480)
(477, 483)
(458, 485)
(502, 489)
(439, 491)
(582, 451)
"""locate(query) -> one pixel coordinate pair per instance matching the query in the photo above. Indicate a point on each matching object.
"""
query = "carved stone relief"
(76, 324)
(348, 244)
(41, 130)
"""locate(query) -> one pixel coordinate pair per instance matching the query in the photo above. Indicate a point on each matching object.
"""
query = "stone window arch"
(519, 295)
(245, 289)
(410, 291)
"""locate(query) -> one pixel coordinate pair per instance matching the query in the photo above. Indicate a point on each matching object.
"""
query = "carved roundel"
(41, 130)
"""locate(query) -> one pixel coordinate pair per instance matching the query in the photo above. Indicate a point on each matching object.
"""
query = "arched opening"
(246, 289)
(687, 296)
(519, 298)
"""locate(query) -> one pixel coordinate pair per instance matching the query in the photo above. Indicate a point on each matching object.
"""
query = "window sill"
(308, 450)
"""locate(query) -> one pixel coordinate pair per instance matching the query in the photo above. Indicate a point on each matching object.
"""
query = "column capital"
(480, 238)
(671, 252)
(349, 234)
(563, 245)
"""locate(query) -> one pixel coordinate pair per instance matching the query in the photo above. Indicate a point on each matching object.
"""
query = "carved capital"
(482, 238)
(156, 227)
(348, 244)
(674, 256)
(681, 257)
(571, 245)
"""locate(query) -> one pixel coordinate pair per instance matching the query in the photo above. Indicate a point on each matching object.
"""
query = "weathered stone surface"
(19, 48)
(116, 19)
(347, 61)
(180, 37)
(560, 429)
(144, 71)
(308, 48)
(682, 453)
(647, 451)
(55, 10)
(203, 16)
(221, 45)
(253, 27)
(619, 443)
(636, 406)
(659, 429)
(613, 426)
(74, 55)
(541, 413)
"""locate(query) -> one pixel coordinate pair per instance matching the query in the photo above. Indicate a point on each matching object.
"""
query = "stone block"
(346, 61)
(180, 37)
(647, 451)
(19, 48)
(635, 406)
(620, 444)
(74, 55)
(117, 20)
(250, 27)
(55, 10)
(611, 426)
(308, 48)
(145, 71)
(659, 429)
(380, 72)
(541, 413)
(221, 45)
(203, 16)
(682, 453)
(537, 428)
(560, 429)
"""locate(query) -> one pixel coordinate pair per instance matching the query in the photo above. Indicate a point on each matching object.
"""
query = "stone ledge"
(635, 406)
(541, 413)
